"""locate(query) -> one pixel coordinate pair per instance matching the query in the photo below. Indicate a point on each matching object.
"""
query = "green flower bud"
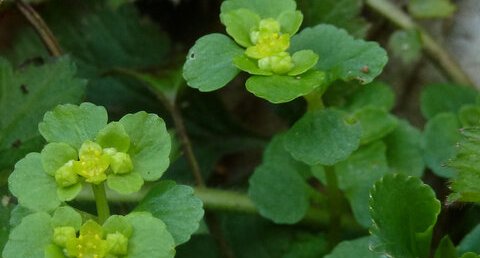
(117, 244)
(61, 235)
(268, 44)
(90, 242)
(66, 176)
(93, 163)
(270, 25)
(280, 64)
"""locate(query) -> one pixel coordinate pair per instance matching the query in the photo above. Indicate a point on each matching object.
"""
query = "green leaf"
(150, 237)
(469, 115)
(465, 186)
(35, 189)
(344, 14)
(290, 21)
(209, 64)
(446, 249)
(239, 24)
(404, 153)
(280, 88)
(342, 56)
(264, 8)
(323, 137)
(66, 216)
(127, 183)
(119, 224)
(55, 155)
(431, 8)
(439, 139)
(73, 124)
(470, 255)
(404, 211)
(439, 98)
(303, 60)
(30, 238)
(353, 249)
(375, 94)
(277, 188)
(375, 123)
(69, 193)
(177, 206)
(358, 173)
(406, 45)
(25, 96)
(5, 224)
(114, 136)
(249, 65)
(470, 242)
(150, 144)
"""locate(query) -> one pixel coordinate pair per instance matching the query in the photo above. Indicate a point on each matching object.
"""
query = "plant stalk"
(434, 50)
(41, 28)
(103, 211)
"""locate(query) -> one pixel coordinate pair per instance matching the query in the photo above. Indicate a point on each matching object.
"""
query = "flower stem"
(103, 211)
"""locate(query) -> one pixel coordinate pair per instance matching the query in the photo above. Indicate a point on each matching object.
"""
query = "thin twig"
(41, 28)
(435, 51)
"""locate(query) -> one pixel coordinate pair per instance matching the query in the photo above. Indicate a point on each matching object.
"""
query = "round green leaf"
(35, 189)
(66, 216)
(69, 193)
(404, 211)
(150, 237)
(249, 65)
(264, 8)
(30, 238)
(73, 124)
(303, 60)
(280, 89)
(439, 139)
(177, 206)
(125, 183)
(119, 224)
(55, 155)
(323, 137)
(239, 24)
(354, 249)
(375, 123)
(290, 21)
(114, 136)
(342, 56)
(209, 64)
(150, 144)
(277, 188)
(376, 94)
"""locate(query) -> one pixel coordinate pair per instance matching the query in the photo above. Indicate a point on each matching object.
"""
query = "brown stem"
(41, 27)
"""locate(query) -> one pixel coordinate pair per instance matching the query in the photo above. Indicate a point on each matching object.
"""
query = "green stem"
(103, 211)
(335, 205)
(314, 100)
(435, 51)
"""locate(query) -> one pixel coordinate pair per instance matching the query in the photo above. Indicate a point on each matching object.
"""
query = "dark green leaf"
(446, 249)
(376, 94)
(375, 123)
(470, 242)
(354, 249)
(439, 98)
(469, 115)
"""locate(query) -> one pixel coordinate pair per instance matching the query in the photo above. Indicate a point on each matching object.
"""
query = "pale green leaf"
(127, 183)
(290, 21)
(303, 60)
(66, 216)
(239, 24)
(264, 8)
(55, 155)
(249, 65)
(431, 8)
(114, 136)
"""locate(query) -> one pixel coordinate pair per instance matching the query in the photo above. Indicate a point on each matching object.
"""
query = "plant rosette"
(83, 148)
(65, 235)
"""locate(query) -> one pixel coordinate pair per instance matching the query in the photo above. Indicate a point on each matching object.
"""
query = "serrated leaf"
(150, 237)
(439, 98)
(376, 94)
(353, 249)
(175, 205)
(439, 138)
(341, 56)
(375, 123)
(404, 211)
(323, 137)
(30, 238)
(406, 45)
(209, 65)
(280, 89)
(73, 124)
(431, 8)
(404, 153)
(446, 249)
(358, 173)
(265, 8)
(25, 96)
(150, 144)
(277, 188)
(35, 189)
